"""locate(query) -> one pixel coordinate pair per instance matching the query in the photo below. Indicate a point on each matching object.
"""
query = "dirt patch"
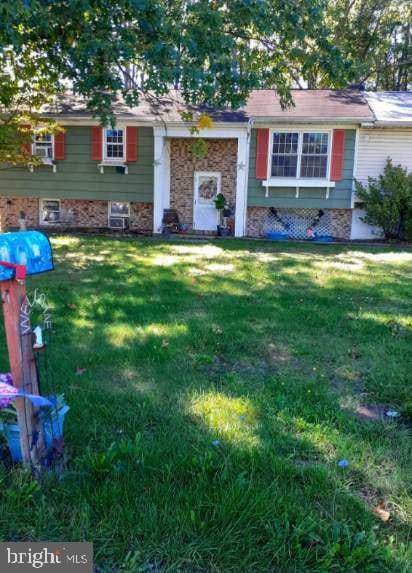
(220, 367)
(278, 354)
(370, 412)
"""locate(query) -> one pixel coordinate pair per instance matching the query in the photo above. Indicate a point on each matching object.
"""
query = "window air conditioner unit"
(41, 152)
(118, 222)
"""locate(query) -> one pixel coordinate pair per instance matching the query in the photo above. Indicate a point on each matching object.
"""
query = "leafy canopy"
(214, 51)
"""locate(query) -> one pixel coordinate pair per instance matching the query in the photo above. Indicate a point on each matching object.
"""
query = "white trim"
(224, 132)
(241, 184)
(297, 182)
(41, 220)
(103, 164)
(158, 182)
(166, 174)
(300, 133)
(355, 168)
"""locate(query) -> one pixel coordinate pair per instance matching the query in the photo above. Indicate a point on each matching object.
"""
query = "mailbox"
(29, 248)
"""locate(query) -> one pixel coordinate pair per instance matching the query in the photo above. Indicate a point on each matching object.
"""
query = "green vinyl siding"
(339, 196)
(78, 177)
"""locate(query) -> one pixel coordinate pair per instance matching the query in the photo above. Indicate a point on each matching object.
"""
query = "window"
(114, 144)
(49, 211)
(119, 213)
(314, 162)
(285, 154)
(43, 145)
(300, 154)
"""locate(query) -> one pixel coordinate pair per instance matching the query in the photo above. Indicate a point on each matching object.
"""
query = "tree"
(375, 35)
(388, 201)
(214, 51)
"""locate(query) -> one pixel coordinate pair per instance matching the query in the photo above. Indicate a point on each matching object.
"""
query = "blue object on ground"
(12, 435)
(29, 248)
(273, 236)
(323, 238)
(52, 427)
(343, 463)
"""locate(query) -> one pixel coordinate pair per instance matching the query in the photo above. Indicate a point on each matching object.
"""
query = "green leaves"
(388, 200)
(216, 52)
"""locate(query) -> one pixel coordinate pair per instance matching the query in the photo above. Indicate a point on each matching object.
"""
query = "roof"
(310, 105)
(263, 106)
(167, 108)
(391, 108)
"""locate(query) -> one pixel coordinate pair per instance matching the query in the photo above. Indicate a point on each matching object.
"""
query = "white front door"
(205, 214)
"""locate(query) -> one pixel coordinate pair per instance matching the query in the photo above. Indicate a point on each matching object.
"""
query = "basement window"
(50, 211)
(119, 215)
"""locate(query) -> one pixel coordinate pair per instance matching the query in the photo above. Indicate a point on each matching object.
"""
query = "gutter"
(309, 120)
(383, 124)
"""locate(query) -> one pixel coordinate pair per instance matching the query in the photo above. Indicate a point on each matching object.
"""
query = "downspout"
(248, 137)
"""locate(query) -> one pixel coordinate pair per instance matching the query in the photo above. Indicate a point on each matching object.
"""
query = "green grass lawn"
(212, 388)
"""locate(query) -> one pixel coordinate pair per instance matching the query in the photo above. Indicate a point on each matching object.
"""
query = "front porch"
(188, 184)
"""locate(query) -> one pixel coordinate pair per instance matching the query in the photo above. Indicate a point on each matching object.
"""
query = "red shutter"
(26, 147)
(97, 143)
(262, 148)
(338, 151)
(131, 144)
(60, 145)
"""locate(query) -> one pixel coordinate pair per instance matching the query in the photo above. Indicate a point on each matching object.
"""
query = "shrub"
(388, 201)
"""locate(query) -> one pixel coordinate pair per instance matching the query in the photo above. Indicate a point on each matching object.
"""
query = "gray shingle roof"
(391, 108)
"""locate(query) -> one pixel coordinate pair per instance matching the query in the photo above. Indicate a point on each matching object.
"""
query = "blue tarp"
(29, 248)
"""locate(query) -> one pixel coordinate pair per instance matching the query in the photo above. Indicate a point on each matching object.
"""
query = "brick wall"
(341, 221)
(221, 157)
(76, 214)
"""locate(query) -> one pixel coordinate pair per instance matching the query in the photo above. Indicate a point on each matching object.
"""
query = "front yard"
(214, 387)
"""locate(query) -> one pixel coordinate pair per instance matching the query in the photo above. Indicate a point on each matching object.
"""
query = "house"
(389, 135)
(284, 171)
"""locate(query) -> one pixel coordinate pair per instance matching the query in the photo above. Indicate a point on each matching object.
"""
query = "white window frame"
(110, 215)
(114, 160)
(42, 221)
(33, 149)
(297, 182)
(300, 133)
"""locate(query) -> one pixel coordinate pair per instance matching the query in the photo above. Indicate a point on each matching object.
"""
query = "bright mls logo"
(47, 556)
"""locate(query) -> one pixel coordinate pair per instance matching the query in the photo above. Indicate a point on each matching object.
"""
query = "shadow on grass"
(203, 433)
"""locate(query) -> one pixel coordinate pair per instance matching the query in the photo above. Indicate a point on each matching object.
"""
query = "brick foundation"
(221, 157)
(75, 214)
(341, 221)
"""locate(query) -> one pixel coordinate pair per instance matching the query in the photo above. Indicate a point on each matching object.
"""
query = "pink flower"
(6, 389)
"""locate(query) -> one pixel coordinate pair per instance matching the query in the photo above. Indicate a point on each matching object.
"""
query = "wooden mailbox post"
(28, 253)
(22, 363)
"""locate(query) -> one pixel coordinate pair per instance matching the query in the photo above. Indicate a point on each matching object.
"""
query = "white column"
(166, 158)
(158, 184)
(241, 185)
